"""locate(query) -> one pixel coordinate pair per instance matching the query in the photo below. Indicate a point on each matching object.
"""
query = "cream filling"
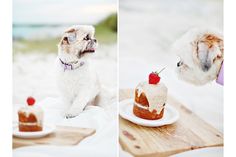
(156, 95)
(141, 106)
(29, 124)
(147, 108)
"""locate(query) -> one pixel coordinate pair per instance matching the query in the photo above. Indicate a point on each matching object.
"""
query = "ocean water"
(37, 32)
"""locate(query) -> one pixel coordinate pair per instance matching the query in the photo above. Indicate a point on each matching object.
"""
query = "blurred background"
(37, 27)
(38, 24)
(146, 34)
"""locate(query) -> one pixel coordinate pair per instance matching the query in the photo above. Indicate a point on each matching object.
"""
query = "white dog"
(76, 79)
(201, 53)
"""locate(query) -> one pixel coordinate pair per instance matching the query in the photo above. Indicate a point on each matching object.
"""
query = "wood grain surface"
(188, 133)
(63, 135)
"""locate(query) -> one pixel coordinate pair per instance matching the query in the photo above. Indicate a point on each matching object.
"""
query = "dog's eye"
(179, 63)
(87, 37)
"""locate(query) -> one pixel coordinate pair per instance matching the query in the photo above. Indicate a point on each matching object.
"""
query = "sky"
(61, 11)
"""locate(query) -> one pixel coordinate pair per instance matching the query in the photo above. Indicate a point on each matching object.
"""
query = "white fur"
(80, 86)
(192, 70)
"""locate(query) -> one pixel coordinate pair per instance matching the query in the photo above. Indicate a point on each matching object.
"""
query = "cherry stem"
(161, 70)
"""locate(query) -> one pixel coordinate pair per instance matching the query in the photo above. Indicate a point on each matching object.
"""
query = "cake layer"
(26, 117)
(152, 95)
(30, 128)
(146, 114)
(30, 119)
(141, 98)
(30, 114)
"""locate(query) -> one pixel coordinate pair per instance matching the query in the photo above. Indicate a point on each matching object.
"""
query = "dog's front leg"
(77, 106)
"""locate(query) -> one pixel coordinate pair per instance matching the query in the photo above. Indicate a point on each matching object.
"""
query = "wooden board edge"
(16, 144)
(166, 154)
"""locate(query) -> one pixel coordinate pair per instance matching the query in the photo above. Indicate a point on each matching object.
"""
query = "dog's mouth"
(86, 51)
(91, 50)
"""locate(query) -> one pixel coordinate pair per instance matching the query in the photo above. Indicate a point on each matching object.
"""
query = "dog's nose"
(95, 40)
(206, 67)
(179, 63)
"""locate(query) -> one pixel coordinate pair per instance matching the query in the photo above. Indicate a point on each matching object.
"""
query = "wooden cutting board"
(188, 133)
(63, 135)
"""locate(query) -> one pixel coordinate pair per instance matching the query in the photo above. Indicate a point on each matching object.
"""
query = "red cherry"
(30, 101)
(154, 78)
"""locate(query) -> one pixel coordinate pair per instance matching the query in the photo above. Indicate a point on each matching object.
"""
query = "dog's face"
(78, 41)
(200, 56)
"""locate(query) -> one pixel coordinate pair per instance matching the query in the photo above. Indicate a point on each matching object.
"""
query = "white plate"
(47, 129)
(170, 116)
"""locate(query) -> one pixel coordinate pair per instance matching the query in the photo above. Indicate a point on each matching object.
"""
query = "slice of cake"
(150, 98)
(30, 117)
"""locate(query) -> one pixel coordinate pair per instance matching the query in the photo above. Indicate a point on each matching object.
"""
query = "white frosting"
(156, 95)
(37, 111)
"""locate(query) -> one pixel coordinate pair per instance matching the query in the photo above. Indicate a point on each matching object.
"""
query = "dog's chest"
(74, 79)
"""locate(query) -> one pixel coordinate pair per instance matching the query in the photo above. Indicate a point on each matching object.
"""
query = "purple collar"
(70, 66)
(220, 77)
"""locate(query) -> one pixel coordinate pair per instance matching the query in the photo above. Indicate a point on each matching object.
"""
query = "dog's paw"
(67, 116)
(71, 113)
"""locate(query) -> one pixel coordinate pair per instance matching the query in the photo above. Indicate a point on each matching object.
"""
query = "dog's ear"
(209, 49)
(64, 41)
(70, 30)
(69, 37)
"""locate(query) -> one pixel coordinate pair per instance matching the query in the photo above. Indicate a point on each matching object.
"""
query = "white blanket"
(102, 144)
(29, 80)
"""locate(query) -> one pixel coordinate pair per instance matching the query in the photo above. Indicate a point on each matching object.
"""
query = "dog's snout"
(179, 63)
(95, 40)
